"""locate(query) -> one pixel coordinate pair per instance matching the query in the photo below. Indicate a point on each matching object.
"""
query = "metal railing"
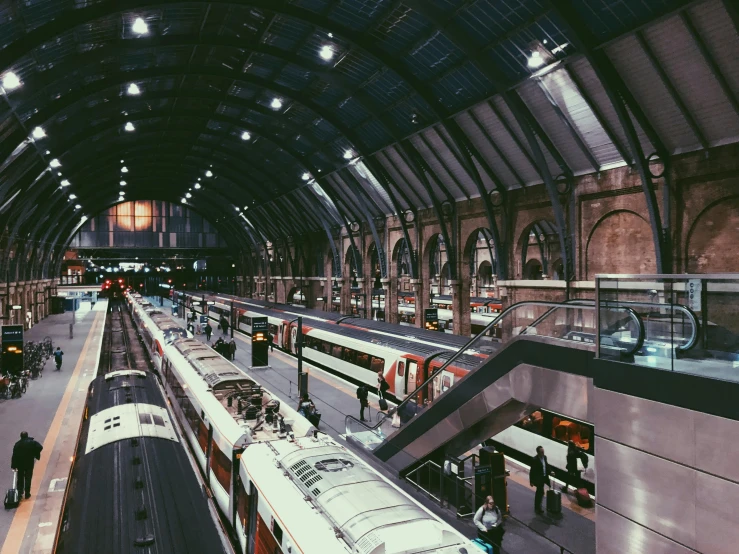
(376, 429)
(458, 492)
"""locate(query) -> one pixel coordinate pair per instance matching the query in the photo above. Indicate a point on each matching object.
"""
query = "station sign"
(431, 319)
(259, 325)
(12, 348)
(12, 333)
(259, 344)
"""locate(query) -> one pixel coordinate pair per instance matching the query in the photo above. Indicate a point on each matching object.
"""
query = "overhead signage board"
(12, 333)
(431, 319)
(259, 325)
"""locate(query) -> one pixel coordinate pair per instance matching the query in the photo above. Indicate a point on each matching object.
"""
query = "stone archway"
(712, 239)
(540, 240)
(620, 242)
(479, 251)
(533, 270)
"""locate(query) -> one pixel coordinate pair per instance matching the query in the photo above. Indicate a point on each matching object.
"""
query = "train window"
(349, 356)
(363, 360)
(145, 419)
(277, 531)
(378, 364)
(325, 347)
(401, 369)
(534, 423)
(158, 420)
(565, 430)
(221, 466)
(336, 351)
(242, 504)
(446, 382)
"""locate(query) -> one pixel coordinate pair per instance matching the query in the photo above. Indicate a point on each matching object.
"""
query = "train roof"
(330, 501)
(152, 497)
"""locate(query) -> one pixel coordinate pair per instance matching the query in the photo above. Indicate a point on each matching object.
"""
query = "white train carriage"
(312, 495)
(220, 409)
(157, 329)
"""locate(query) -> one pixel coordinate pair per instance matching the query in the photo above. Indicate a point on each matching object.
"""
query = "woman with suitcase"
(382, 387)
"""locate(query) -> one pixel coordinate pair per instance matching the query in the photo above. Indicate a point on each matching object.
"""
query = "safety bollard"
(71, 331)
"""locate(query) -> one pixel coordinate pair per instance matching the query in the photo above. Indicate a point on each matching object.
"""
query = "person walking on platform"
(362, 395)
(25, 452)
(538, 477)
(574, 454)
(489, 523)
(271, 340)
(224, 325)
(382, 385)
(208, 331)
(58, 356)
(232, 350)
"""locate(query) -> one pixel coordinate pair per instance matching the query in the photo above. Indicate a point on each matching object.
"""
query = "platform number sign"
(431, 319)
(695, 288)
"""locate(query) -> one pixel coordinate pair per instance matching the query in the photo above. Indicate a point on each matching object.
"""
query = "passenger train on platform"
(356, 349)
(278, 484)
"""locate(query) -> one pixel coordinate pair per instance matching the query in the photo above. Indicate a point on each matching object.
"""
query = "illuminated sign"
(431, 319)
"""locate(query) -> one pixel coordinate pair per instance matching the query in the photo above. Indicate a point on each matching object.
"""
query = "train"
(327, 335)
(274, 477)
(132, 486)
(354, 349)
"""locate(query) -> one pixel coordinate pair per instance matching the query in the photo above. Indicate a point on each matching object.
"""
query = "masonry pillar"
(421, 301)
(391, 300)
(345, 302)
(461, 307)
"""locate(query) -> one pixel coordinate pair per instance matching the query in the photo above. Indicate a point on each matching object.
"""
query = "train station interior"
(321, 276)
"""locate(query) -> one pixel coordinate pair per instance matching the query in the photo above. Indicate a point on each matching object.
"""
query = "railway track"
(122, 346)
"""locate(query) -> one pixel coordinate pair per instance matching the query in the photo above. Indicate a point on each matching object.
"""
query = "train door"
(400, 380)
(251, 533)
(293, 346)
(280, 338)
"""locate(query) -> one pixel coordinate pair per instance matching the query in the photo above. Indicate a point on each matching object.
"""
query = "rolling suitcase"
(383, 405)
(554, 501)
(482, 545)
(13, 497)
(583, 498)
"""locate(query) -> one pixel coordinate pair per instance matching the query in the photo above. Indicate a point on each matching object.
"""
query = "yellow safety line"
(22, 516)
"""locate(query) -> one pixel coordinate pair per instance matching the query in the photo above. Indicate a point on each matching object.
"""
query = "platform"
(336, 398)
(50, 411)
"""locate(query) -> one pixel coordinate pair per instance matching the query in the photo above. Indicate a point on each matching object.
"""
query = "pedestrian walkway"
(336, 398)
(50, 411)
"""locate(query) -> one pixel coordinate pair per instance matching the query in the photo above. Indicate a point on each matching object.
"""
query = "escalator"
(543, 360)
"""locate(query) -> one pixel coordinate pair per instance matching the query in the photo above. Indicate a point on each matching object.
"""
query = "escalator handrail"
(695, 335)
(466, 347)
(584, 304)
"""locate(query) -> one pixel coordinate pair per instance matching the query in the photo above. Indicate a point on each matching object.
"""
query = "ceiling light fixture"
(55, 163)
(245, 135)
(123, 183)
(121, 193)
(124, 169)
(188, 195)
(38, 133)
(11, 81)
(536, 60)
(77, 206)
(306, 176)
(276, 103)
(184, 200)
(196, 185)
(129, 127)
(72, 196)
(133, 89)
(237, 208)
(209, 173)
(139, 26)
(65, 183)
(327, 52)
(348, 154)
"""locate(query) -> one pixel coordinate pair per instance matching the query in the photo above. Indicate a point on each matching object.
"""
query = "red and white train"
(355, 353)
(280, 486)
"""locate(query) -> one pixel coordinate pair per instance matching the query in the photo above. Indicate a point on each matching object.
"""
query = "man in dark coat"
(574, 453)
(539, 476)
(362, 394)
(232, 350)
(25, 452)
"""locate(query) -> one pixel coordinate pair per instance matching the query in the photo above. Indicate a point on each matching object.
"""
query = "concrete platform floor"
(335, 398)
(50, 411)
